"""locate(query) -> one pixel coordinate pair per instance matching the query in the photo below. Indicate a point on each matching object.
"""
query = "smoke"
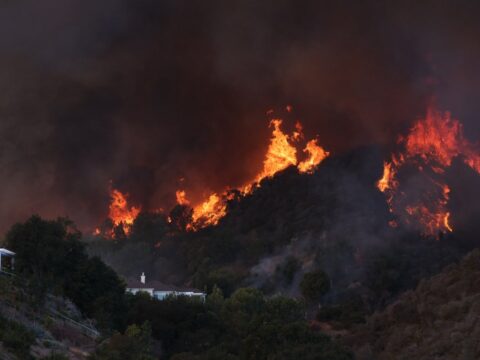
(146, 93)
(354, 220)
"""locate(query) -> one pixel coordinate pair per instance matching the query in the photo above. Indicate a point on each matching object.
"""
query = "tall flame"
(210, 211)
(316, 154)
(432, 143)
(281, 154)
(181, 196)
(120, 213)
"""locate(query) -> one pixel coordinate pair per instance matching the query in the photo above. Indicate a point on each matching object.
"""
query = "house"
(160, 291)
(7, 260)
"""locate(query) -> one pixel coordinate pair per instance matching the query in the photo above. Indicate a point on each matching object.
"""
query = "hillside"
(333, 220)
(29, 329)
(438, 320)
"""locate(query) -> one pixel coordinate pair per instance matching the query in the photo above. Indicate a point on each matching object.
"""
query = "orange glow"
(430, 146)
(182, 197)
(120, 213)
(209, 212)
(316, 154)
(281, 154)
(388, 177)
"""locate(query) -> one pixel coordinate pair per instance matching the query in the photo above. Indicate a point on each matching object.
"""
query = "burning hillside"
(428, 151)
(281, 153)
(413, 181)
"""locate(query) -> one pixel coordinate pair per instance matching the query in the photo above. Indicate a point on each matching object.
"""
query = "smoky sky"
(145, 93)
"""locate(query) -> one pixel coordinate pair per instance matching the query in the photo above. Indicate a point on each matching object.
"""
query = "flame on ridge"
(119, 212)
(281, 154)
(430, 146)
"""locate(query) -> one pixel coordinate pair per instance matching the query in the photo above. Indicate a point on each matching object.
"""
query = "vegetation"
(243, 325)
(51, 257)
(314, 285)
(16, 338)
(134, 344)
(435, 321)
(246, 325)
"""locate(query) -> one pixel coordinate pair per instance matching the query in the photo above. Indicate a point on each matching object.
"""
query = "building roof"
(133, 283)
(6, 252)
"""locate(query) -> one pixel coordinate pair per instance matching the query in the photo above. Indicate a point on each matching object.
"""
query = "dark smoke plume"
(145, 92)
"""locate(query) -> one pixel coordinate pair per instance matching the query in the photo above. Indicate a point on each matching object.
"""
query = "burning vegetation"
(428, 151)
(281, 154)
(119, 211)
(414, 178)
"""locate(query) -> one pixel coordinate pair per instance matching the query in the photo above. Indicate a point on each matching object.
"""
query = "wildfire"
(430, 146)
(281, 154)
(316, 154)
(210, 211)
(120, 213)
(182, 197)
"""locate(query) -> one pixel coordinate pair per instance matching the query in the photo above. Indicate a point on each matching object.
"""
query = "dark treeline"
(51, 259)
(334, 221)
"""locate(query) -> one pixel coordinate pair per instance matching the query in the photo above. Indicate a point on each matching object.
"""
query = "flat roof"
(4, 251)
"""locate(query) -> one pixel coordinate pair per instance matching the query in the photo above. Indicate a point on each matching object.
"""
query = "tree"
(149, 227)
(47, 252)
(134, 344)
(215, 299)
(314, 285)
(51, 257)
(98, 292)
(180, 217)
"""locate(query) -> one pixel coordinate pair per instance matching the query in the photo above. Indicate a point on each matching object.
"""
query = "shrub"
(314, 285)
(16, 337)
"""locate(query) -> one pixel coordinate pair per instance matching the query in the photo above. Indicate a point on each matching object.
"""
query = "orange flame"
(316, 154)
(182, 197)
(281, 154)
(209, 212)
(119, 211)
(388, 177)
(432, 143)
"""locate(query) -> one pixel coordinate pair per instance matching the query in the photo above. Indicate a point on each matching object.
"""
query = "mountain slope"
(438, 320)
(33, 330)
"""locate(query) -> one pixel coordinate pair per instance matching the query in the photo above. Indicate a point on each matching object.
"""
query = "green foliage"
(181, 323)
(215, 299)
(149, 227)
(51, 257)
(98, 292)
(134, 344)
(314, 285)
(227, 280)
(246, 325)
(16, 338)
(47, 252)
(346, 314)
(56, 356)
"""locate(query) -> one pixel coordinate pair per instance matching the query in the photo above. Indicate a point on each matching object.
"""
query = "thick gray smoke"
(146, 92)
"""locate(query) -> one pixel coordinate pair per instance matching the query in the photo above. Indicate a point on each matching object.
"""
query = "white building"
(8, 258)
(160, 291)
